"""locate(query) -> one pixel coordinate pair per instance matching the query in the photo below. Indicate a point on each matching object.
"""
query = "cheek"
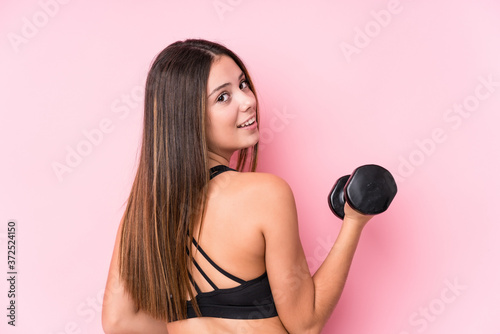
(225, 122)
(219, 128)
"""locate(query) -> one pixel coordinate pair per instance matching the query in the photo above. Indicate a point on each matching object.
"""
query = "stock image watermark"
(12, 271)
(278, 121)
(453, 119)
(222, 7)
(363, 36)
(32, 25)
(293, 279)
(86, 311)
(429, 313)
(94, 137)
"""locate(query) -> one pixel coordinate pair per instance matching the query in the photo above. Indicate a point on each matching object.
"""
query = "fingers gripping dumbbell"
(369, 190)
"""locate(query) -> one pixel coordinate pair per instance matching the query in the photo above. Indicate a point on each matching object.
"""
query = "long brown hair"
(168, 195)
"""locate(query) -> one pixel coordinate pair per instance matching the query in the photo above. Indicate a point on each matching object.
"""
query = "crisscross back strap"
(214, 171)
(219, 269)
(197, 288)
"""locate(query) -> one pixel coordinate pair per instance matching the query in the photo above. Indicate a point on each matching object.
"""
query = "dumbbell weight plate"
(336, 198)
(370, 189)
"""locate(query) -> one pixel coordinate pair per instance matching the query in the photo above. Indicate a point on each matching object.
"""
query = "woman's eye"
(223, 97)
(244, 84)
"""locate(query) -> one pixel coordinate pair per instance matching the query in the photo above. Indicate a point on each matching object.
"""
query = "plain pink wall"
(411, 85)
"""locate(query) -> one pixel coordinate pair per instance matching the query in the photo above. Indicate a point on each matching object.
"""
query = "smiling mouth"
(247, 123)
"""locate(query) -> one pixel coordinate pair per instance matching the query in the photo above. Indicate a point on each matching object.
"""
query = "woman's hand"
(354, 217)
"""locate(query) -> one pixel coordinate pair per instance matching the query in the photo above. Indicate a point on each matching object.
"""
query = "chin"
(249, 142)
(252, 144)
(255, 140)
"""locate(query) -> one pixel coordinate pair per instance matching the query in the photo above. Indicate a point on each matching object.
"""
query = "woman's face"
(231, 109)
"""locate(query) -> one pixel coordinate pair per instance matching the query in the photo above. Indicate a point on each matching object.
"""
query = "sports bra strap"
(216, 170)
(205, 276)
(198, 290)
(219, 269)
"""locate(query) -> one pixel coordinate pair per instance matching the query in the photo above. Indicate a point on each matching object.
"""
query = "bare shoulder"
(264, 186)
(255, 195)
(267, 198)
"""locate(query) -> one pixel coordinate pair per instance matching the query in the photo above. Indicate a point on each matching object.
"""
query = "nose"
(246, 100)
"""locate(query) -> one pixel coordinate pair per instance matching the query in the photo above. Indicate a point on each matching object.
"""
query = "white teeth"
(247, 123)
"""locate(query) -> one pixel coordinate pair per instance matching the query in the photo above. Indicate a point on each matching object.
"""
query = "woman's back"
(231, 236)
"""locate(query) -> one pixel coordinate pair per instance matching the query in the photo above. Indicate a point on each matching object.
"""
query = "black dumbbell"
(369, 190)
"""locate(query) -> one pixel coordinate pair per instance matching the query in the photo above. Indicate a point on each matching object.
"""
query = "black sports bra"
(251, 299)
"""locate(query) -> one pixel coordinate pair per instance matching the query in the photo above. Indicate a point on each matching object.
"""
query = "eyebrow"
(224, 85)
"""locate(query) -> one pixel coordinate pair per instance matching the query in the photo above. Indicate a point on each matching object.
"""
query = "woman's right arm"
(304, 303)
(119, 314)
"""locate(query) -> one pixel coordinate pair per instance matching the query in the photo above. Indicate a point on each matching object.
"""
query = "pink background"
(428, 265)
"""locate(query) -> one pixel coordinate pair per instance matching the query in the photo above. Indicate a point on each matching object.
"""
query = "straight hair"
(169, 192)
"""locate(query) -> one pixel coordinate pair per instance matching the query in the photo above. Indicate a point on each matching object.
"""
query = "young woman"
(204, 248)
